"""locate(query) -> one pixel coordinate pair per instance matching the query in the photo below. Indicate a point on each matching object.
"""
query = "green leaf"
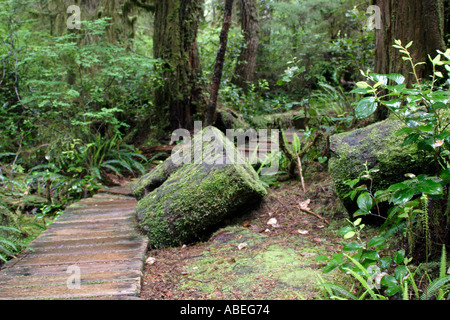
(365, 107)
(344, 230)
(360, 212)
(409, 44)
(396, 77)
(400, 272)
(376, 241)
(353, 246)
(399, 256)
(349, 234)
(397, 186)
(394, 104)
(402, 196)
(445, 175)
(322, 258)
(385, 262)
(371, 255)
(429, 187)
(410, 139)
(365, 202)
(391, 285)
(362, 85)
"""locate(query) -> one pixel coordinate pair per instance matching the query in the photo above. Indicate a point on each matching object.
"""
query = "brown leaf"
(305, 204)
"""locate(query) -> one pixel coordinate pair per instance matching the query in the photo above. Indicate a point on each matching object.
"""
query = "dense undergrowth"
(76, 110)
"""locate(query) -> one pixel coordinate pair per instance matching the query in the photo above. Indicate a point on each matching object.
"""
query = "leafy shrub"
(419, 212)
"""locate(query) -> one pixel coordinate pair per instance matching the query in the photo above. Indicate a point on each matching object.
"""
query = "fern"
(436, 285)
(439, 284)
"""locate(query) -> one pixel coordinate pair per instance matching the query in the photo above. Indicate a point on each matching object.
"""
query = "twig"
(301, 172)
(314, 214)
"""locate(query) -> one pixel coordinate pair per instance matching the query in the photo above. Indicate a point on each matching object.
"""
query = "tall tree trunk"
(121, 13)
(246, 62)
(406, 20)
(175, 32)
(210, 116)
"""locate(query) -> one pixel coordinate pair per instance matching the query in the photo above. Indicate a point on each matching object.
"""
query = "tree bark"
(210, 116)
(122, 14)
(175, 33)
(246, 62)
(406, 20)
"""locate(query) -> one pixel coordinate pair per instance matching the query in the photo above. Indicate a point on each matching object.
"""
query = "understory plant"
(419, 211)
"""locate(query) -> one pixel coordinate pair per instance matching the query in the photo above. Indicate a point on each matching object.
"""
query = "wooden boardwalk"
(92, 251)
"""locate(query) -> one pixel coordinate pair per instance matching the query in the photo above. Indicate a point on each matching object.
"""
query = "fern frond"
(434, 286)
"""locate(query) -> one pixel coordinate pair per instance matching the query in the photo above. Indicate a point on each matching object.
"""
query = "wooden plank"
(99, 236)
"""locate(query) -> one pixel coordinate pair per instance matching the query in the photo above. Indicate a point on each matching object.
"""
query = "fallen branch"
(314, 214)
(301, 173)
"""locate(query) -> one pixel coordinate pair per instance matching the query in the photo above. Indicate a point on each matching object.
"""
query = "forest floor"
(252, 259)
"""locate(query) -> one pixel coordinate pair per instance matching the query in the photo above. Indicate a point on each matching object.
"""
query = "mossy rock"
(379, 147)
(279, 120)
(181, 202)
(229, 119)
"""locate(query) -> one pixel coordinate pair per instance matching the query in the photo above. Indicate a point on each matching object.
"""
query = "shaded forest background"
(81, 101)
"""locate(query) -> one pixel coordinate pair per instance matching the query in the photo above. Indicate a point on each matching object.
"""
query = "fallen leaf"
(150, 261)
(320, 226)
(317, 240)
(272, 222)
(246, 224)
(302, 231)
(305, 204)
(242, 245)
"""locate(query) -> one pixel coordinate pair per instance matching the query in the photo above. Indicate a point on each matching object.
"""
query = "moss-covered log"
(186, 200)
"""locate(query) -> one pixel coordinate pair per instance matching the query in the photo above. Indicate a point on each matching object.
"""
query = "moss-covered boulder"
(379, 147)
(229, 119)
(286, 120)
(180, 202)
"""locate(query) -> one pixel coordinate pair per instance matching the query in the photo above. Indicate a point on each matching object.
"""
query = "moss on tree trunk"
(174, 41)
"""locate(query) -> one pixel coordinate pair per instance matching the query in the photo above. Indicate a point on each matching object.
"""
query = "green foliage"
(423, 111)
(8, 246)
(326, 40)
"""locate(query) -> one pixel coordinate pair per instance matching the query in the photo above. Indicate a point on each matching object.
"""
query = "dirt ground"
(266, 254)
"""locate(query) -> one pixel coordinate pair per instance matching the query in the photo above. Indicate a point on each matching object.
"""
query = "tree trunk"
(210, 116)
(121, 12)
(175, 32)
(406, 20)
(246, 62)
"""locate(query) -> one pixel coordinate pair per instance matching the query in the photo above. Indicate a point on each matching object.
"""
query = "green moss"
(379, 147)
(7, 218)
(279, 120)
(192, 198)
